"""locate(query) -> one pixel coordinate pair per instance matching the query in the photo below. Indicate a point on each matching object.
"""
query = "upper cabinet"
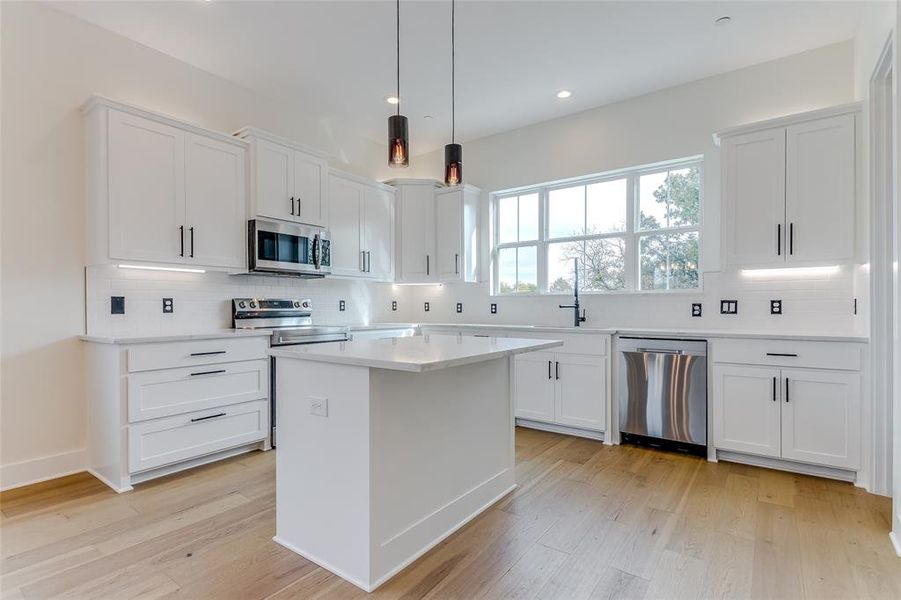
(162, 191)
(789, 189)
(362, 227)
(436, 232)
(287, 180)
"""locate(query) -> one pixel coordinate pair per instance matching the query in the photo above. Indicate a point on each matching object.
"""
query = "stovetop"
(290, 319)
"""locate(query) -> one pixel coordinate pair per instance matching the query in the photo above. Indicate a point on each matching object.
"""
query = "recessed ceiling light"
(722, 21)
(392, 100)
(564, 94)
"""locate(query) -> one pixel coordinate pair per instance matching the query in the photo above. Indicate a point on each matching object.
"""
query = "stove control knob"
(296, 304)
(242, 304)
(253, 304)
(306, 304)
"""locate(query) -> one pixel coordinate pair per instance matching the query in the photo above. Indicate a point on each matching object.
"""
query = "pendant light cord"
(398, 57)
(453, 73)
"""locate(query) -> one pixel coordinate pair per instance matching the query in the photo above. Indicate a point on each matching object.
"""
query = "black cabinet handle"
(774, 388)
(427, 265)
(208, 372)
(557, 370)
(791, 238)
(456, 264)
(788, 354)
(192, 242)
(208, 353)
(786, 389)
(181, 234)
(216, 416)
(549, 376)
(292, 205)
(778, 239)
(362, 261)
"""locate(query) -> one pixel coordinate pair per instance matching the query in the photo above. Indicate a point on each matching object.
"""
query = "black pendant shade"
(453, 164)
(398, 156)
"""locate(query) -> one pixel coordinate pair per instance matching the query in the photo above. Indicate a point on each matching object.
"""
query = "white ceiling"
(338, 58)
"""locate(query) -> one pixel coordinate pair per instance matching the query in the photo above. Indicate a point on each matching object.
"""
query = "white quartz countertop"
(207, 335)
(415, 354)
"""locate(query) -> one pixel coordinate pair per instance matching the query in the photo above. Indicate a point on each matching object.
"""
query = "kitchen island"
(386, 447)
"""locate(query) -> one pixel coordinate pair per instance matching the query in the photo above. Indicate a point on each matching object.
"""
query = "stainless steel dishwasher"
(662, 389)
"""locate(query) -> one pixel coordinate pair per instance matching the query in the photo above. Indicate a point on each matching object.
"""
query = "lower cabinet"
(563, 389)
(801, 414)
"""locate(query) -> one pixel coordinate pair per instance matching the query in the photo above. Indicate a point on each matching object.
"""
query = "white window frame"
(631, 235)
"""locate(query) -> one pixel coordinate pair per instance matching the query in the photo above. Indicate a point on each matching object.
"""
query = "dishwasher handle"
(660, 351)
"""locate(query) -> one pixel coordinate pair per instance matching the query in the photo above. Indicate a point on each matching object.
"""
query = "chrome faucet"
(578, 315)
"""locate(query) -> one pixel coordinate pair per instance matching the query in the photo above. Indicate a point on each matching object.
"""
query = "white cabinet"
(581, 390)
(162, 191)
(436, 232)
(534, 386)
(288, 181)
(362, 221)
(789, 189)
(779, 410)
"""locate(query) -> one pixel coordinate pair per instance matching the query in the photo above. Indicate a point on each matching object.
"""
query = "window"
(633, 230)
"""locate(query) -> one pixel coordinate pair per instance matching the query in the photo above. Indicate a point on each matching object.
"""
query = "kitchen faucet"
(578, 315)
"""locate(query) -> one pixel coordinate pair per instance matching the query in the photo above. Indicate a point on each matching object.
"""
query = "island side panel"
(322, 466)
(441, 453)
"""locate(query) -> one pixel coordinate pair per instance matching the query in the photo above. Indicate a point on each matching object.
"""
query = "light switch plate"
(728, 307)
(318, 406)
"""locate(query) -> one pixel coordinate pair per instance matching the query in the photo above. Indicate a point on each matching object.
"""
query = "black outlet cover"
(775, 307)
(168, 305)
(117, 305)
(425, 306)
(459, 307)
(342, 305)
(394, 305)
(493, 308)
(696, 309)
(728, 307)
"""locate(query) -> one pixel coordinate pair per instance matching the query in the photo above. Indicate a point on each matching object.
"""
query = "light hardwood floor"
(588, 521)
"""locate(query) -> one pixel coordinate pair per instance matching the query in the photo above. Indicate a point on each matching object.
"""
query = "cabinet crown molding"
(832, 111)
(97, 101)
(360, 179)
(246, 132)
(407, 181)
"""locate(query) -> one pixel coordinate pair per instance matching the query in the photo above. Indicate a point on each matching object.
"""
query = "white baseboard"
(42, 469)
(896, 542)
(564, 429)
(324, 564)
(787, 465)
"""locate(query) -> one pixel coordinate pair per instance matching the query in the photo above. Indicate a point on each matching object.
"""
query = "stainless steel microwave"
(288, 249)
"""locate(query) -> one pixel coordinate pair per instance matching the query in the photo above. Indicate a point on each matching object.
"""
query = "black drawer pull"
(208, 372)
(208, 353)
(788, 354)
(216, 416)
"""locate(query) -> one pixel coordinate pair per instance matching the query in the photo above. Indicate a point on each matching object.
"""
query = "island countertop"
(414, 354)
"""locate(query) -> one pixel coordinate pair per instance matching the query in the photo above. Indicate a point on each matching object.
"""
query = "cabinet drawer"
(168, 355)
(170, 440)
(819, 355)
(154, 394)
(579, 343)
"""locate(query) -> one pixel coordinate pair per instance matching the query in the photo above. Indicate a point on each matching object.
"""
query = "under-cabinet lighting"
(171, 269)
(420, 283)
(792, 272)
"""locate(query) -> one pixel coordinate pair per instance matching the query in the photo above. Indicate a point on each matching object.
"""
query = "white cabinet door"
(533, 386)
(311, 189)
(449, 235)
(417, 233)
(821, 417)
(820, 190)
(215, 216)
(754, 188)
(746, 409)
(581, 391)
(378, 241)
(274, 184)
(146, 189)
(346, 208)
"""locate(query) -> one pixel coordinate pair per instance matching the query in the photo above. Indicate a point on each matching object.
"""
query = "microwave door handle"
(317, 241)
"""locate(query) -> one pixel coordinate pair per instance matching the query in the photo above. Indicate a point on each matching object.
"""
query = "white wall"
(673, 123)
(51, 63)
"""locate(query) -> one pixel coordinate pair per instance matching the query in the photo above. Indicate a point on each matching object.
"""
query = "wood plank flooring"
(587, 521)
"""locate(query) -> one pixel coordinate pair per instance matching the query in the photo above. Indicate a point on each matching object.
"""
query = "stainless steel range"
(291, 322)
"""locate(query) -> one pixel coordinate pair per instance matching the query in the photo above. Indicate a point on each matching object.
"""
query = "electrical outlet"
(394, 305)
(168, 305)
(459, 307)
(493, 308)
(425, 306)
(728, 307)
(775, 307)
(342, 306)
(117, 305)
(696, 309)
(318, 406)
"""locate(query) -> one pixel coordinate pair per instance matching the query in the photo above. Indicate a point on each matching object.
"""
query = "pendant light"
(398, 132)
(453, 152)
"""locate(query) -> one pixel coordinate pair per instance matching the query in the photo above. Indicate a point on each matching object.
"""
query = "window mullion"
(631, 238)
(541, 251)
